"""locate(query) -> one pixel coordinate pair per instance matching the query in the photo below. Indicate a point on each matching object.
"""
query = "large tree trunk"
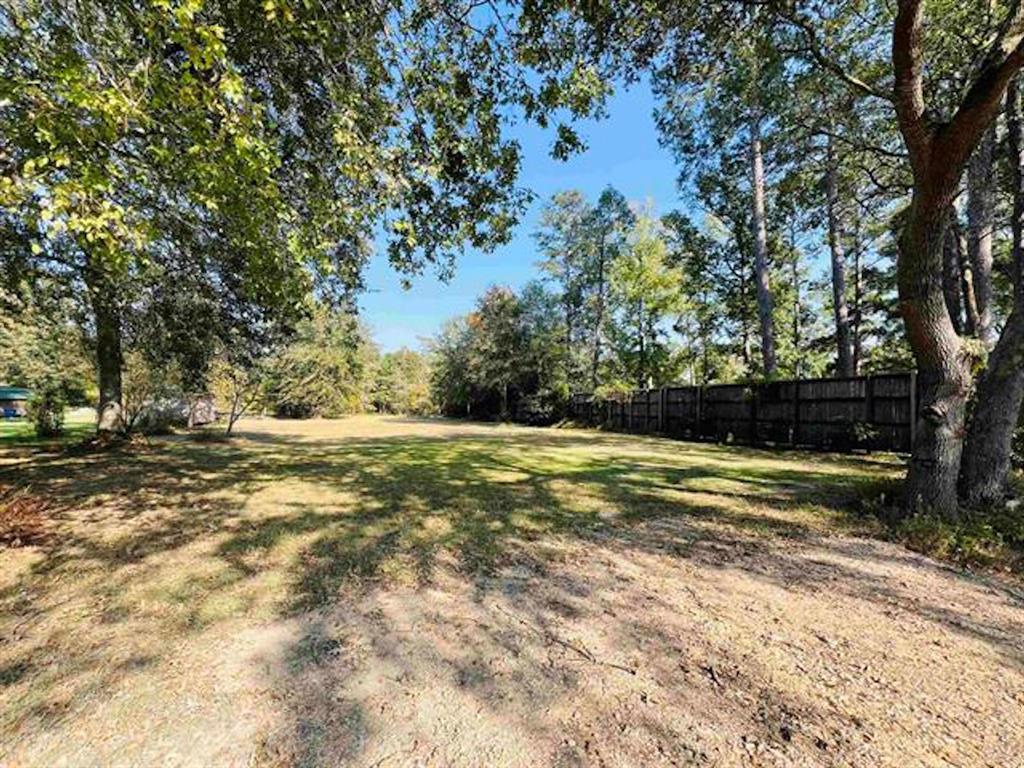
(765, 302)
(938, 153)
(1000, 393)
(980, 222)
(986, 464)
(841, 313)
(943, 375)
(107, 316)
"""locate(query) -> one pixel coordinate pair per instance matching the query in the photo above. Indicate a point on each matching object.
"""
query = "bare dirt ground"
(390, 592)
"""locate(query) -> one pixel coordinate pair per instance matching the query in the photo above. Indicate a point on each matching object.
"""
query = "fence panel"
(857, 413)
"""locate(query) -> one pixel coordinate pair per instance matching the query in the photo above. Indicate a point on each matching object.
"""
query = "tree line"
(210, 171)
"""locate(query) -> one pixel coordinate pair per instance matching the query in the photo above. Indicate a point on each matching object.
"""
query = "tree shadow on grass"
(353, 516)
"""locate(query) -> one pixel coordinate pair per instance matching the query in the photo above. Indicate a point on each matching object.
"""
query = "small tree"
(46, 409)
(645, 294)
(236, 387)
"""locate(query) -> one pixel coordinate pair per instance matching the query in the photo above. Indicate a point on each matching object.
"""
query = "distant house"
(13, 401)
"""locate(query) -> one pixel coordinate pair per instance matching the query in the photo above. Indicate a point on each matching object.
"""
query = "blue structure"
(14, 402)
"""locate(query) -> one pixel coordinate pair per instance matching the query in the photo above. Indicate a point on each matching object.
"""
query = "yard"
(394, 592)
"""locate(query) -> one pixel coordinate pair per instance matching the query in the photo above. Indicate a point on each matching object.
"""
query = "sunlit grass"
(79, 423)
(173, 538)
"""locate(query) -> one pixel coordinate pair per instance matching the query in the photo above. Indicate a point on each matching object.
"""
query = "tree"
(236, 387)
(497, 346)
(324, 370)
(720, 109)
(403, 383)
(451, 384)
(40, 344)
(988, 450)
(564, 240)
(261, 142)
(645, 295)
(944, 99)
(610, 221)
(939, 150)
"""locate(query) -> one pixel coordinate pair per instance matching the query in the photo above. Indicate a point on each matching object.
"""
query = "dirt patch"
(848, 653)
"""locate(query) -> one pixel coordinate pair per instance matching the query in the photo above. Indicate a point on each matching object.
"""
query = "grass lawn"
(78, 424)
(388, 591)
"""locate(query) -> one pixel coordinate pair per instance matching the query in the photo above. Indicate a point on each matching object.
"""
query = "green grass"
(290, 514)
(78, 424)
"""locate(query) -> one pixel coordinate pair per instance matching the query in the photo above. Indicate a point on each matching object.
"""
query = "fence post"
(869, 410)
(753, 414)
(796, 413)
(913, 408)
(662, 416)
(698, 428)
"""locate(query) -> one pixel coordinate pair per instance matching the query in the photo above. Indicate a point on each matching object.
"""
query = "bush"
(993, 539)
(46, 409)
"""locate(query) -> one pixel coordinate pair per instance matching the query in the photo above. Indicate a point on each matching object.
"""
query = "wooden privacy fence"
(859, 413)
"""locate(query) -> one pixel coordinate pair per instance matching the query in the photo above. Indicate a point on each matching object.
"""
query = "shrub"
(46, 409)
(992, 539)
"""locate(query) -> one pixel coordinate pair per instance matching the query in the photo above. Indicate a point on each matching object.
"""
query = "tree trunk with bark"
(641, 347)
(595, 362)
(943, 376)
(989, 445)
(980, 223)
(758, 221)
(970, 301)
(986, 468)
(952, 279)
(107, 317)
(841, 313)
(938, 153)
(858, 304)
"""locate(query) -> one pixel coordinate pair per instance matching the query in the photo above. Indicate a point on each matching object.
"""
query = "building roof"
(14, 393)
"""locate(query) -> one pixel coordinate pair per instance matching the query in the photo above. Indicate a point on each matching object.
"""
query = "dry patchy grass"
(387, 591)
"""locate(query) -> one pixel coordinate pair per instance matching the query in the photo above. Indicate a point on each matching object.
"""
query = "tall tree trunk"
(943, 376)
(841, 313)
(988, 449)
(952, 279)
(107, 317)
(986, 468)
(642, 356)
(858, 305)
(971, 321)
(980, 223)
(938, 153)
(765, 302)
(595, 362)
(797, 331)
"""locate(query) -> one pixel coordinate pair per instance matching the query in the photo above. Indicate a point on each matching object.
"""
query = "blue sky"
(622, 151)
